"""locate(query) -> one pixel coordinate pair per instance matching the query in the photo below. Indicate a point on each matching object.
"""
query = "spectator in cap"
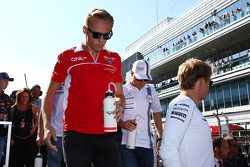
(5, 76)
(141, 102)
(5, 107)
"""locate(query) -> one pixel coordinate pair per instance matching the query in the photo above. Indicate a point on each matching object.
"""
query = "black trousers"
(23, 152)
(91, 150)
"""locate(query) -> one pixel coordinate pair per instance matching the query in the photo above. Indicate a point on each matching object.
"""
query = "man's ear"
(198, 82)
(216, 150)
(132, 73)
(84, 30)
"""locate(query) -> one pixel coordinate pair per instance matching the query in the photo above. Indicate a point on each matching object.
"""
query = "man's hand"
(158, 145)
(118, 111)
(48, 134)
(39, 138)
(32, 131)
(128, 125)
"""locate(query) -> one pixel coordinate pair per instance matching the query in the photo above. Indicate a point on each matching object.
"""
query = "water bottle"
(110, 124)
(39, 159)
(131, 139)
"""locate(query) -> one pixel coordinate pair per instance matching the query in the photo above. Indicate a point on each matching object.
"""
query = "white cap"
(142, 70)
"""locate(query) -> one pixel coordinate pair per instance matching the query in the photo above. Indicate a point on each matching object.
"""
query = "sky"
(34, 32)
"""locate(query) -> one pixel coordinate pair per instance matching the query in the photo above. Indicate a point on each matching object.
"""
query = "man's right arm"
(47, 108)
(40, 133)
(177, 122)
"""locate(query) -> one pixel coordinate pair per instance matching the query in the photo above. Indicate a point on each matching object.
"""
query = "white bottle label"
(110, 124)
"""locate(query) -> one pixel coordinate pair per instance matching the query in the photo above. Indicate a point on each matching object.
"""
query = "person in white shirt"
(187, 140)
(141, 102)
(37, 101)
(55, 158)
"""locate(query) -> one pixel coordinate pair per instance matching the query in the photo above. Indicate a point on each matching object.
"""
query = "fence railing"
(9, 124)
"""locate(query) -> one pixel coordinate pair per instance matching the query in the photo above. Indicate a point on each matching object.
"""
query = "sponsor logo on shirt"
(204, 119)
(78, 58)
(183, 104)
(180, 108)
(109, 60)
(177, 118)
(179, 114)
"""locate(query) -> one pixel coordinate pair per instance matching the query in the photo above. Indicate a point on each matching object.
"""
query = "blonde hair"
(99, 13)
(18, 95)
(191, 70)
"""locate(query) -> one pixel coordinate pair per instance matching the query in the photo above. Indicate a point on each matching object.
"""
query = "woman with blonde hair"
(24, 126)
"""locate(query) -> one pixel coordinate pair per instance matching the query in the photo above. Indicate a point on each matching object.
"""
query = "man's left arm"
(158, 127)
(156, 107)
(158, 124)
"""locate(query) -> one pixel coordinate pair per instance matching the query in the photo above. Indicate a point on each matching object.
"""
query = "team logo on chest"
(109, 60)
(130, 94)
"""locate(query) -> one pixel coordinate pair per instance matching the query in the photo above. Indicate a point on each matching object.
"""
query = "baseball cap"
(142, 70)
(4, 75)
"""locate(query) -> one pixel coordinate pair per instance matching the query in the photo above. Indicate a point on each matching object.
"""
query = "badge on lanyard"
(149, 98)
(22, 123)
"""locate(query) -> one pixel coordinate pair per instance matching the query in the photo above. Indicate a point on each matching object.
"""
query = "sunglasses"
(97, 35)
(145, 80)
(211, 83)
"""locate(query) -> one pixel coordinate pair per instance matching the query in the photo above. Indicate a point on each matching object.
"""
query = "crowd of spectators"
(216, 21)
(228, 153)
(22, 108)
(209, 26)
(220, 66)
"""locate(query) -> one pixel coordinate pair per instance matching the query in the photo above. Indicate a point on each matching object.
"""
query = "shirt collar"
(131, 87)
(79, 48)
